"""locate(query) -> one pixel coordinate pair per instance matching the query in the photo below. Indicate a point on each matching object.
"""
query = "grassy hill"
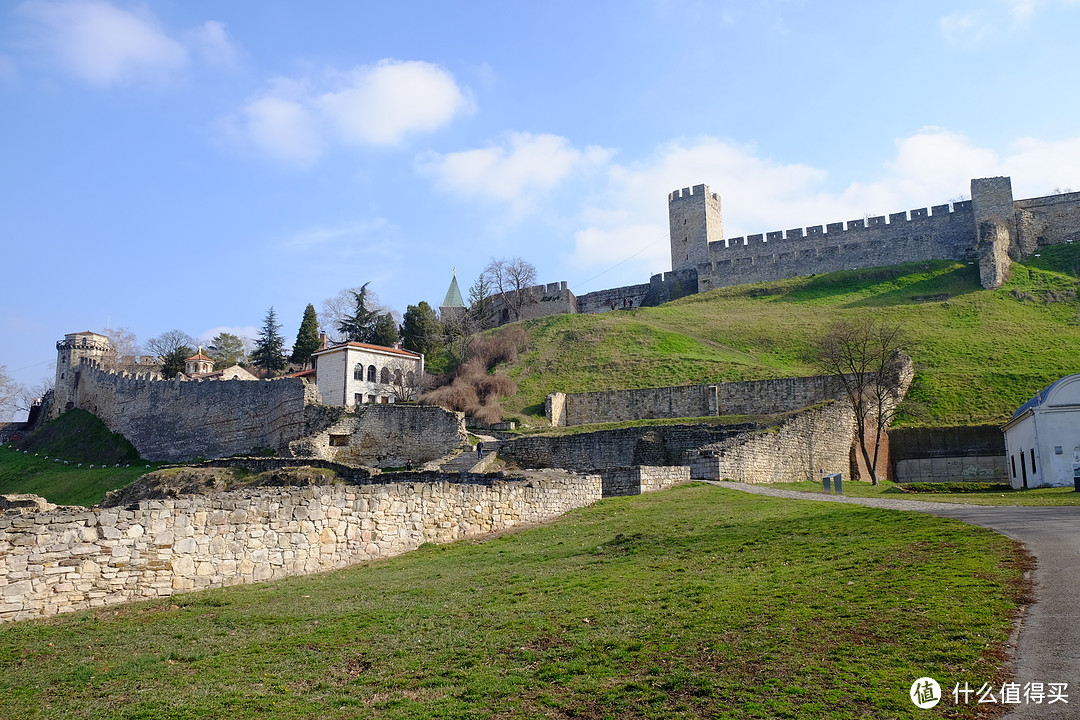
(978, 353)
(37, 464)
(695, 602)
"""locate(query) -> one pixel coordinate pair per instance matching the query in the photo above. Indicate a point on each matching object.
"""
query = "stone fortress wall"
(755, 397)
(175, 420)
(991, 230)
(68, 559)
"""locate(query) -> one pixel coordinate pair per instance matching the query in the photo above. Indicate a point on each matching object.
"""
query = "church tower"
(452, 305)
(695, 221)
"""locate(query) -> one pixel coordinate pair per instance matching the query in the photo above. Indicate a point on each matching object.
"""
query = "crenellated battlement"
(695, 192)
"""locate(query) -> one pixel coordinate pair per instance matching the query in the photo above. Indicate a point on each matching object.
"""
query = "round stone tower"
(71, 352)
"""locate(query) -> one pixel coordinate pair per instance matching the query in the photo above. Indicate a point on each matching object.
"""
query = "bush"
(956, 487)
(472, 388)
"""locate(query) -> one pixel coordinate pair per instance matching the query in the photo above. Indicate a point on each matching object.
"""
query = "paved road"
(1048, 649)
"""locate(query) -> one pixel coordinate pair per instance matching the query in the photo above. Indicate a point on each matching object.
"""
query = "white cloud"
(516, 169)
(377, 104)
(382, 103)
(964, 28)
(211, 40)
(103, 44)
(629, 215)
(283, 128)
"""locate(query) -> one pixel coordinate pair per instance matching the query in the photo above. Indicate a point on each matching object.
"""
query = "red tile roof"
(366, 346)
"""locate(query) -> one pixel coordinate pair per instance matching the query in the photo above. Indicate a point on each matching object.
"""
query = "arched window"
(384, 376)
(410, 378)
(397, 376)
(371, 373)
(358, 372)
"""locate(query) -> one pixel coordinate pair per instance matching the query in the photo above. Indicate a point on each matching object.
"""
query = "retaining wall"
(74, 558)
(949, 454)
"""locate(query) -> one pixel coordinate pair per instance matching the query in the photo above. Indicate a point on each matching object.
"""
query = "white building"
(357, 373)
(1042, 439)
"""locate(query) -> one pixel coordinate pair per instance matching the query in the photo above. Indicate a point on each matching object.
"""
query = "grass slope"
(978, 353)
(694, 602)
(80, 438)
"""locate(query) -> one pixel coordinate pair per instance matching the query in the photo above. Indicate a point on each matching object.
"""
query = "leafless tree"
(407, 383)
(170, 341)
(512, 279)
(10, 392)
(33, 394)
(122, 344)
(865, 358)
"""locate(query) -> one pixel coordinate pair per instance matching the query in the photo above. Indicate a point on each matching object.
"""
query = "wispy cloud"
(103, 44)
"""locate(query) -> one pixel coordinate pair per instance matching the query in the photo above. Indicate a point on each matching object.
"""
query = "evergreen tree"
(420, 331)
(226, 349)
(172, 362)
(360, 325)
(307, 339)
(385, 331)
(270, 346)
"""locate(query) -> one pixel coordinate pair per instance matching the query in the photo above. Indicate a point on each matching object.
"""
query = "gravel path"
(1048, 647)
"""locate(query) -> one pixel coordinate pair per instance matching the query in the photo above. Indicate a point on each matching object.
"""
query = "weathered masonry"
(991, 230)
(65, 559)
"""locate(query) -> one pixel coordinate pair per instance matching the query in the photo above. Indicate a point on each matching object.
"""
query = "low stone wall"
(804, 445)
(626, 447)
(643, 478)
(74, 558)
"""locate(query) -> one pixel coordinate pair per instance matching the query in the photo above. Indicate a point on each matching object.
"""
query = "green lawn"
(694, 602)
(69, 484)
(894, 491)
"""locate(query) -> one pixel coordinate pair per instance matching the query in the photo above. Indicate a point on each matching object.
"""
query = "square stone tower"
(695, 221)
(995, 229)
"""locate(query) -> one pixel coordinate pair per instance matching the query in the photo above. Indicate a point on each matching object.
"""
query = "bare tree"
(122, 344)
(168, 342)
(865, 358)
(10, 392)
(512, 279)
(406, 381)
(33, 394)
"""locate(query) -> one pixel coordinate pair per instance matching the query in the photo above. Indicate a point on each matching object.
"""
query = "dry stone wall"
(799, 449)
(643, 478)
(74, 558)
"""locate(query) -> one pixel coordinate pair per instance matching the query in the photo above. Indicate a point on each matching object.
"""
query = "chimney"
(322, 340)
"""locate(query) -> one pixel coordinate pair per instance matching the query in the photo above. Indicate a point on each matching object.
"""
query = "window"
(358, 398)
(371, 373)
(1013, 459)
(384, 400)
(410, 379)
(339, 441)
(371, 399)
(384, 376)
(1032, 461)
(397, 376)
(358, 372)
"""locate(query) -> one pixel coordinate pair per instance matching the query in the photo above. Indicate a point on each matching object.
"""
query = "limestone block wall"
(643, 478)
(601, 300)
(663, 445)
(383, 435)
(817, 439)
(937, 233)
(73, 558)
(1049, 220)
(175, 420)
(758, 397)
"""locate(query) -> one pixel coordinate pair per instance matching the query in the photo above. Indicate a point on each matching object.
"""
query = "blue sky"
(187, 164)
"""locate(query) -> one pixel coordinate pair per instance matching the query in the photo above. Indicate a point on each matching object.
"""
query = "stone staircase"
(467, 461)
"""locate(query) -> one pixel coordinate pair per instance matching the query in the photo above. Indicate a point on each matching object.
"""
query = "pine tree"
(360, 326)
(307, 339)
(269, 347)
(420, 331)
(385, 331)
